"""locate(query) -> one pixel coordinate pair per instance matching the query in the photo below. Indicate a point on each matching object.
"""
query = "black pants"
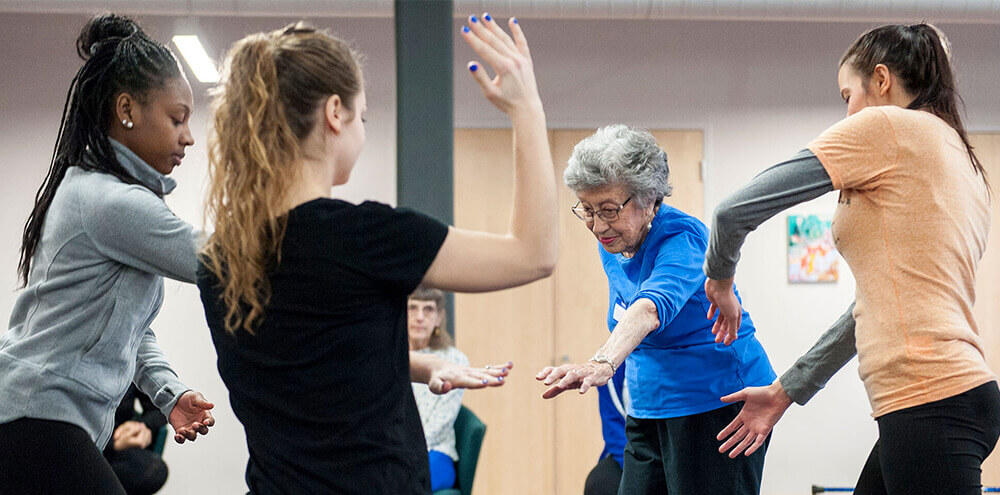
(52, 457)
(604, 479)
(935, 448)
(141, 471)
(680, 456)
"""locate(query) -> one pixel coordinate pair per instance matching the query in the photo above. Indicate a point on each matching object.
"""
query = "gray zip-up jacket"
(79, 332)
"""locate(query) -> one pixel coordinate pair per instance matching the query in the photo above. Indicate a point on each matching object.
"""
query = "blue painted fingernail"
(485, 381)
(515, 19)
(473, 18)
(500, 379)
(473, 67)
(465, 29)
(487, 16)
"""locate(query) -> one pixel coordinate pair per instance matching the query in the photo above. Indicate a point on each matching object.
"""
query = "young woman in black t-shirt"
(306, 295)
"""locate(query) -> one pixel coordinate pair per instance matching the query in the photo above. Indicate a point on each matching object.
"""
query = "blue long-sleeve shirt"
(678, 369)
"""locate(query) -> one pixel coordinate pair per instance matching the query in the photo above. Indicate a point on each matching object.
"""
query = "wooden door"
(533, 445)
(987, 147)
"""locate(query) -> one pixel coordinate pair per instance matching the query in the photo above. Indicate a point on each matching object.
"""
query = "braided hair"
(118, 57)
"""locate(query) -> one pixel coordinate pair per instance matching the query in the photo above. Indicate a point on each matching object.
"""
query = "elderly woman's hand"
(723, 299)
(449, 376)
(574, 376)
(514, 86)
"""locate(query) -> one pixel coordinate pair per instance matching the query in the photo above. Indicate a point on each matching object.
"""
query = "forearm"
(422, 366)
(778, 188)
(154, 376)
(534, 218)
(828, 355)
(639, 320)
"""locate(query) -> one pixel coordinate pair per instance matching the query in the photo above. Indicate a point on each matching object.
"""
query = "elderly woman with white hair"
(652, 255)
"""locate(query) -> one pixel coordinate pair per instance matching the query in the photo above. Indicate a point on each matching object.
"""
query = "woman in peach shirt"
(912, 223)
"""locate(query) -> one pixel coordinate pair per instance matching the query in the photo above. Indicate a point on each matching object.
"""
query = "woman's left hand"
(449, 376)
(191, 417)
(574, 376)
(723, 300)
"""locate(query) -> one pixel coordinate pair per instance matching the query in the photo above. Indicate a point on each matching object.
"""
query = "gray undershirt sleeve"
(797, 180)
(778, 188)
(831, 352)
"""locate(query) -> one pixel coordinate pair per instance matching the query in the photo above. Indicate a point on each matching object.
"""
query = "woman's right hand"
(574, 376)
(514, 88)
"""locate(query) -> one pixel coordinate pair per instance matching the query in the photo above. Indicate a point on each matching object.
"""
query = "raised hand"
(191, 416)
(723, 300)
(513, 88)
(762, 408)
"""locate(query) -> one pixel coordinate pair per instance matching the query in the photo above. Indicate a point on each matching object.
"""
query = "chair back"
(469, 433)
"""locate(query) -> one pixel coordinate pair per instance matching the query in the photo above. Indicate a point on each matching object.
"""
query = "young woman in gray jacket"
(95, 250)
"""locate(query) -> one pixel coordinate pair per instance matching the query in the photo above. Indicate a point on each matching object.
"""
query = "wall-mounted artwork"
(812, 256)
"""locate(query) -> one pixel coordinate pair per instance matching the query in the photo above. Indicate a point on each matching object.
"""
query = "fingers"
(497, 31)
(482, 48)
(587, 383)
(481, 28)
(756, 444)
(735, 397)
(553, 391)
(544, 373)
(556, 374)
(748, 441)
(519, 40)
(734, 439)
(733, 425)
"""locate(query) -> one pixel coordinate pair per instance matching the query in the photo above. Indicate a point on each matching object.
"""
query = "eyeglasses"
(608, 214)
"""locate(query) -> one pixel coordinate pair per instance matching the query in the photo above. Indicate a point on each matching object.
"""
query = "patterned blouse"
(438, 412)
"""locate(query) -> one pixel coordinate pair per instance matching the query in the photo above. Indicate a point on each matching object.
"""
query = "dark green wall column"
(424, 122)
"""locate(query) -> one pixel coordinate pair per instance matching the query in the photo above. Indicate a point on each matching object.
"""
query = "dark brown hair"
(920, 57)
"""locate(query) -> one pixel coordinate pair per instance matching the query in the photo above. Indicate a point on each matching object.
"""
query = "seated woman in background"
(427, 334)
(139, 468)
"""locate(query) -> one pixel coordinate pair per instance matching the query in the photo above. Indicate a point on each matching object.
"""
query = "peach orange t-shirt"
(912, 222)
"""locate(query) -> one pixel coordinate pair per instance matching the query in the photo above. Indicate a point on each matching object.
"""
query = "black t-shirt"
(323, 386)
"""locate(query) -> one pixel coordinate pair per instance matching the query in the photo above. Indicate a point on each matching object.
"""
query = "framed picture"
(812, 256)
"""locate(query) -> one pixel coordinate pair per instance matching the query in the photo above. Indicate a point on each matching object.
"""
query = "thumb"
(740, 396)
(479, 74)
(200, 402)
(712, 308)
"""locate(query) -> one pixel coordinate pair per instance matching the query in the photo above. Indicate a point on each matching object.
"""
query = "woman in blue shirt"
(653, 255)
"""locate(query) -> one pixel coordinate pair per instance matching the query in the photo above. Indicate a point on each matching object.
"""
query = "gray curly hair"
(619, 154)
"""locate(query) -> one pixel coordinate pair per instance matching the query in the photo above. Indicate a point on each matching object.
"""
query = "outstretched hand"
(723, 300)
(514, 86)
(191, 417)
(580, 377)
(450, 376)
(762, 408)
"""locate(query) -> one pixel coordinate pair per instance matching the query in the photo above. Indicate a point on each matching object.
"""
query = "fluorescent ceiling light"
(194, 54)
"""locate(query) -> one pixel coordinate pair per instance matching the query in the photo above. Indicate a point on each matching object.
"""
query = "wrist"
(527, 113)
(777, 391)
(601, 359)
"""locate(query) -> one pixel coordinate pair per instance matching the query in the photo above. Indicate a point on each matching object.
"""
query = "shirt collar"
(142, 171)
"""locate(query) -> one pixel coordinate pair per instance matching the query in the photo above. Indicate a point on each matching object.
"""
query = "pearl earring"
(127, 123)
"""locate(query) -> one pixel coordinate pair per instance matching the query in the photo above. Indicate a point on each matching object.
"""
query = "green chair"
(469, 433)
(160, 441)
